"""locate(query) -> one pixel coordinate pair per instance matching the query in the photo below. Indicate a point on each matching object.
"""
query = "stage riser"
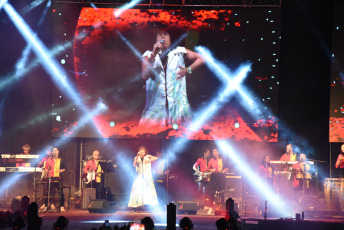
(298, 225)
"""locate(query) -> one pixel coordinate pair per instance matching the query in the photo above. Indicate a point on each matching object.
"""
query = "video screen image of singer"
(161, 74)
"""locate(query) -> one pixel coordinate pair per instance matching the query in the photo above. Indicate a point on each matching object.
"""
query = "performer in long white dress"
(143, 190)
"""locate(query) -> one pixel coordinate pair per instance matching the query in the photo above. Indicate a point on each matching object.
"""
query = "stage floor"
(82, 219)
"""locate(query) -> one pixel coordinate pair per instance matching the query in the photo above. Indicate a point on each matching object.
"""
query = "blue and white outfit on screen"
(176, 109)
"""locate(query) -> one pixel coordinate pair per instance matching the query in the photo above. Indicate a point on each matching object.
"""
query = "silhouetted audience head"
(61, 223)
(222, 224)
(186, 223)
(18, 223)
(148, 223)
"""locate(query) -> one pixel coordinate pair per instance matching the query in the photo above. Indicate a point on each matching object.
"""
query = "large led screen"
(337, 77)
(229, 93)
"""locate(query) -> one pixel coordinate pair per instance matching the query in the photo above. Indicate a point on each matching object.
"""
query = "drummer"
(302, 173)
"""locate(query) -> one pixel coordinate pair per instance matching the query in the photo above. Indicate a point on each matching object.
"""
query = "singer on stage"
(164, 71)
(143, 190)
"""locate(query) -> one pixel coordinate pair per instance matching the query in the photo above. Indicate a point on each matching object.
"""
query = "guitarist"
(202, 169)
(94, 172)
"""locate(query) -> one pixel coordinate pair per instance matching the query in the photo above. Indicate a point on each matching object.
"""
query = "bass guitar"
(90, 176)
(198, 176)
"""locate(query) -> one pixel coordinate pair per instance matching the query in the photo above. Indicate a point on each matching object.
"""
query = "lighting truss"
(183, 3)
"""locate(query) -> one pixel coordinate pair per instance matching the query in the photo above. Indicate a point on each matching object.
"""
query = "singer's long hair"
(144, 148)
(263, 160)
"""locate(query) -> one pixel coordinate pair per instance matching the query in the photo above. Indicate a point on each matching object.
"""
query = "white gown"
(143, 190)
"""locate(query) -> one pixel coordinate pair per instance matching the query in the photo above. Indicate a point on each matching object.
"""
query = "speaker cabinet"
(187, 207)
(101, 206)
(233, 187)
(88, 194)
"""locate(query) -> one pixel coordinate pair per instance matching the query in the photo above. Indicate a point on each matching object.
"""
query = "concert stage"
(82, 219)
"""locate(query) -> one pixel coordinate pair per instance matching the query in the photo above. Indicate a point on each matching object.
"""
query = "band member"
(289, 155)
(41, 164)
(94, 172)
(266, 170)
(201, 167)
(26, 151)
(23, 186)
(48, 155)
(340, 162)
(216, 165)
(143, 190)
(302, 173)
(55, 167)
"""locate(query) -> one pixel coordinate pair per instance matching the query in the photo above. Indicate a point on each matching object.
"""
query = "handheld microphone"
(162, 41)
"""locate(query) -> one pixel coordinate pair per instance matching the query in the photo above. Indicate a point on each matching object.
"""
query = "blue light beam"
(254, 179)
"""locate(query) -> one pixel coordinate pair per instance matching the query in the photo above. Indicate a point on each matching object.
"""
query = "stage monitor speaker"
(233, 187)
(220, 208)
(101, 206)
(187, 207)
(88, 194)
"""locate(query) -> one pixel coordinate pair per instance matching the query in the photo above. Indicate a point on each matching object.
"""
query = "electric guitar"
(198, 176)
(90, 176)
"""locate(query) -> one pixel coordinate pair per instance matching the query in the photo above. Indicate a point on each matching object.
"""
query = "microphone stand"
(49, 178)
(142, 180)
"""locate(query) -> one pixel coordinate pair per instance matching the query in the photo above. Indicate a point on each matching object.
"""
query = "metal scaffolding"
(182, 3)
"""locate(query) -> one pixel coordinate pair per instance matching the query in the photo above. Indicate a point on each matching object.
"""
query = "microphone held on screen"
(162, 41)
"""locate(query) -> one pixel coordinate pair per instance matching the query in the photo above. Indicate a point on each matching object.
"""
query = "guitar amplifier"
(233, 187)
(88, 194)
(187, 207)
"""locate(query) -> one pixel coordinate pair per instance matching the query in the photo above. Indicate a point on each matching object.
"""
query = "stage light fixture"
(129, 5)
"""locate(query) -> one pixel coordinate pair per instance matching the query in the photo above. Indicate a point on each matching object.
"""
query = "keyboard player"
(289, 155)
(26, 151)
(24, 184)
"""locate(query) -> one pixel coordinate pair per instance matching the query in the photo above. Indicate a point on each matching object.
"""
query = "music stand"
(107, 167)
